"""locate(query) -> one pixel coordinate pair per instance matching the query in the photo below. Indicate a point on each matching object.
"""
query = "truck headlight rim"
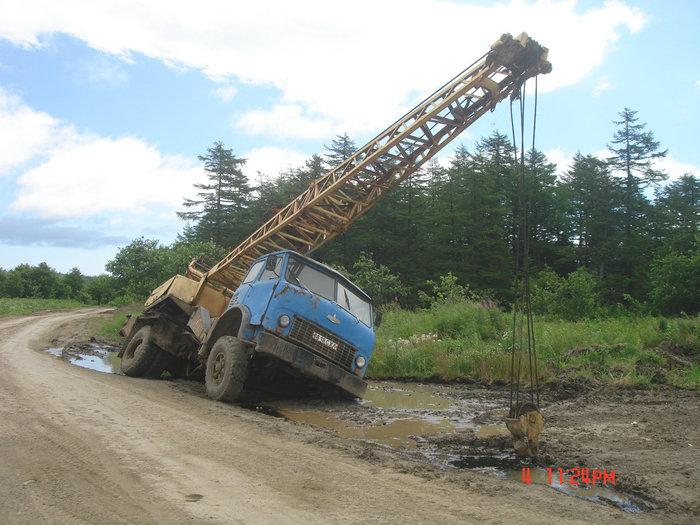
(284, 320)
(360, 361)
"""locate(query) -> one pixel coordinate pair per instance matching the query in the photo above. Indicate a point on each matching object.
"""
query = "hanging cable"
(524, 420)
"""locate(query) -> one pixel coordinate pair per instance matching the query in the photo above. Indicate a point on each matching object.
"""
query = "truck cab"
(293, 313)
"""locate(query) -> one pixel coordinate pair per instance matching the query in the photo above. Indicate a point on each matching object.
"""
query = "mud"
(78, 446)
(100, 356)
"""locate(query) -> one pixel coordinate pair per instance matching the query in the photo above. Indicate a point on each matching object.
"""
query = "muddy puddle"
(449, 426)
(101, 357)
(453, 427)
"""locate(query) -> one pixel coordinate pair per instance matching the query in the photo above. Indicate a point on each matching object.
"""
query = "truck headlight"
(284, 320)
(360, 361)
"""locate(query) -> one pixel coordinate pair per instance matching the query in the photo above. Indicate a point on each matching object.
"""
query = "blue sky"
(105, 106)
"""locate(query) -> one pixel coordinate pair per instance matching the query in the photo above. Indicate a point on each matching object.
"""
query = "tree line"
(607, 235)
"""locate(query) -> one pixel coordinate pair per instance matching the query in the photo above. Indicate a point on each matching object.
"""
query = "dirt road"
(78, 446)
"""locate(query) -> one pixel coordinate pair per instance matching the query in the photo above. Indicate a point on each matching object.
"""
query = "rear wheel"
(227, 369)
(140, 353)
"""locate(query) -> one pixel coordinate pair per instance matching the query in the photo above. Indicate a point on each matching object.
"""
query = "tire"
(139, 354)
(227, 369)
(159, 364)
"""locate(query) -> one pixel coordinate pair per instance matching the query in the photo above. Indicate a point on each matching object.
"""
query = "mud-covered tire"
(227, 369)
(140, 353)
(159, 365)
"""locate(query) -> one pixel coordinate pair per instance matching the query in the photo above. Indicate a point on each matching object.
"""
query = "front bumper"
(310, 363)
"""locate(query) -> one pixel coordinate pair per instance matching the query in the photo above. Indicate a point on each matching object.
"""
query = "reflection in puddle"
(394, 432)
(390, 414)
(95, 356)
(414, 397)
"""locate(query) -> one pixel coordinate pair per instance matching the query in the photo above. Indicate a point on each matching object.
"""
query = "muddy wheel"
(159, 364)
(139, 354)
(227, 369)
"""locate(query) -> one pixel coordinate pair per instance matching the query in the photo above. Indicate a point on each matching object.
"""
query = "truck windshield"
(328, 287)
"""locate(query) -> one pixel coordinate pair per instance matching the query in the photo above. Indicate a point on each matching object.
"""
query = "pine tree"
(633, 152)
(679, 204)
(592, 201)
(341, 149)
(222, 213)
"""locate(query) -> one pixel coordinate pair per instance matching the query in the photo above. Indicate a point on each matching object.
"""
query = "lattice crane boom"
(333, 202)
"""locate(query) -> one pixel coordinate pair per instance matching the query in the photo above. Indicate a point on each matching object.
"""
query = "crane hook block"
(525, 424)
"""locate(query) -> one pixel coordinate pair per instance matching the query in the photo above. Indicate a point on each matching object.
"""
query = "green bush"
(675, 284)
(572, 298)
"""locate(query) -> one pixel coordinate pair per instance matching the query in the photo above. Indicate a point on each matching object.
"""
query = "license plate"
(324, 341)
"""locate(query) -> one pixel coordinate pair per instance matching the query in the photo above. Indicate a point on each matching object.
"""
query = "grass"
(466, 339)
(13, 306)
(110, 325)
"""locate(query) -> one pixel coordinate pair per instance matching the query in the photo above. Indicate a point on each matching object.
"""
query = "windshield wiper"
(349, 309)
(300, 283)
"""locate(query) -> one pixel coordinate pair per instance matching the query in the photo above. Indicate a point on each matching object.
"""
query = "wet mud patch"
(494, 455)
(453, 427)
(93, 354)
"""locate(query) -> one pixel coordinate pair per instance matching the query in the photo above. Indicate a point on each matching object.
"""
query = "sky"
(105, 106)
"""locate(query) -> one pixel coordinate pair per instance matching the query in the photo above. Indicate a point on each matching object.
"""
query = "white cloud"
(24, 133)
(601, 86)
(675, 169)
(65, 173)
(561, 158)
(93, 175)
(226, 92)
(103, 72)
(286, 121)
(270, 161)
(338, 69)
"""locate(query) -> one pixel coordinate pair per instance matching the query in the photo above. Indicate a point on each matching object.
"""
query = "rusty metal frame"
(334, 201)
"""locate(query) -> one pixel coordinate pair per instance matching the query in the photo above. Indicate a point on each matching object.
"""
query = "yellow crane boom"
(333, 202)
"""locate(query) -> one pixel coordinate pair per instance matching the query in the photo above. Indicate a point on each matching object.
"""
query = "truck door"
(258, 293)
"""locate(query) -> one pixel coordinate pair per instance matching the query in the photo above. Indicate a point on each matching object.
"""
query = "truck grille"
(322, 342)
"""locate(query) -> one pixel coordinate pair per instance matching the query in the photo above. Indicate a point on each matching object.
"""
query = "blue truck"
(290, 314)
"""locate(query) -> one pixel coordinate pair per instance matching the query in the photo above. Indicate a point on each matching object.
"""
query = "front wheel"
(139, 354)
(227, 369)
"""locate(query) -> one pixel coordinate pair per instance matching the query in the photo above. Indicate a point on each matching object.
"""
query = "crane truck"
(268, 307)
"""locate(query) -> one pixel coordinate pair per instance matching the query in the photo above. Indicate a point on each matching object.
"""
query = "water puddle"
(100, 357)
(391, 414)
(422, 420)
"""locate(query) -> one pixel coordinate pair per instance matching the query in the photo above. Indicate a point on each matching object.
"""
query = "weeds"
(111, 325)
(468, 339)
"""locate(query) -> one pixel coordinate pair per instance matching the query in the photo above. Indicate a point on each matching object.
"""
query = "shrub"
(572, 298)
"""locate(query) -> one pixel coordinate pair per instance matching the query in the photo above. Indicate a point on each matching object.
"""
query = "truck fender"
(232, 322)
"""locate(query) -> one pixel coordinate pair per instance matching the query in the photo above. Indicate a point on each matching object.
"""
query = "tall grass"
(13, 306)
(468, 339)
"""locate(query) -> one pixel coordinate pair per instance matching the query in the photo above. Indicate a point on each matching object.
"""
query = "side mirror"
(378, 318)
